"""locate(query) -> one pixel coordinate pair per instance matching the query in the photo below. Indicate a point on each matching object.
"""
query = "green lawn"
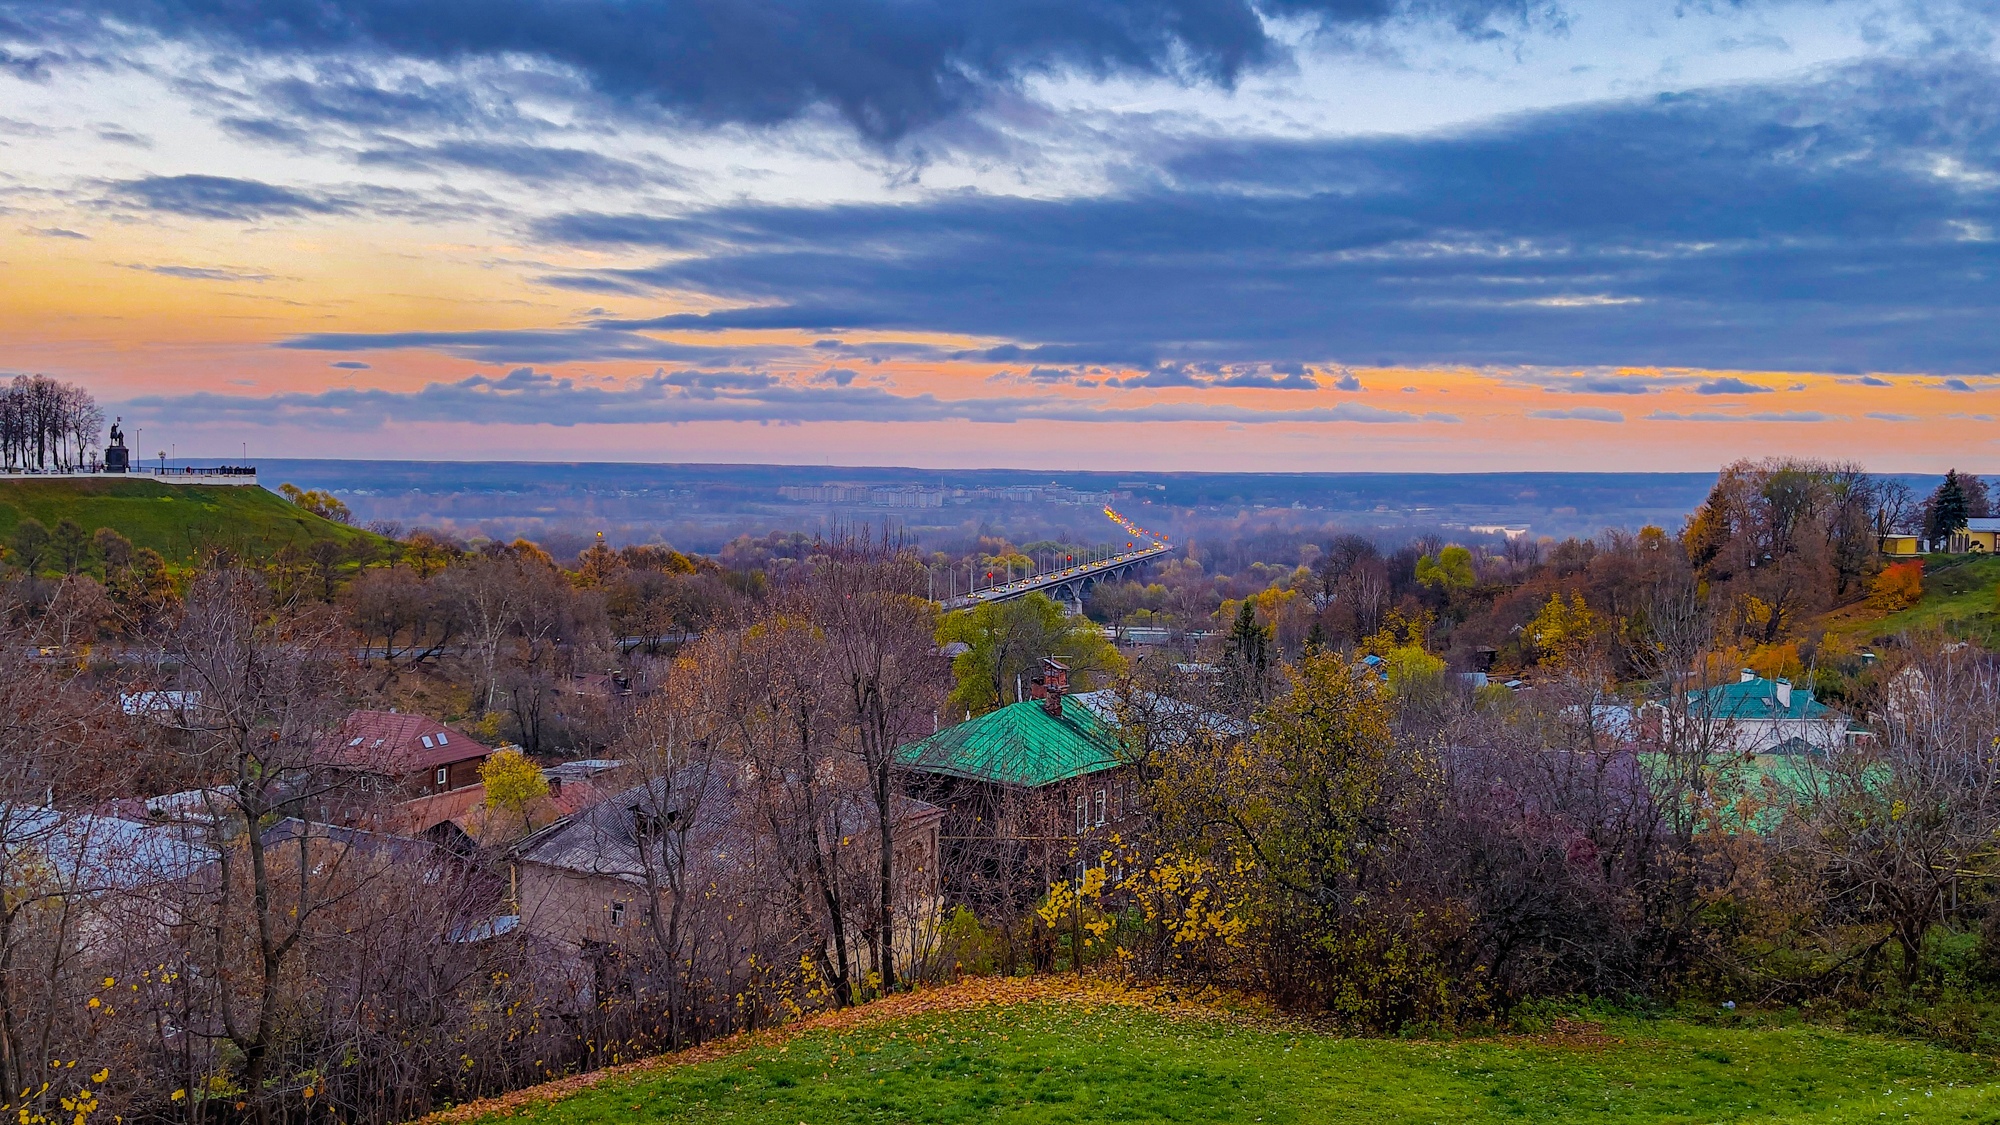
(1048, 1062)
(1961, 596)
(178, 520)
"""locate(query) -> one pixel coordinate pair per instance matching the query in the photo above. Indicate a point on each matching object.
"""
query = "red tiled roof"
(394, 742)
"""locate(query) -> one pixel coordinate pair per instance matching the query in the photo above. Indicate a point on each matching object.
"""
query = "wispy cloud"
(1730, 385)
(525, 396)
(1580, 414)
(201, 273)
(1760, 416)
(221, 197)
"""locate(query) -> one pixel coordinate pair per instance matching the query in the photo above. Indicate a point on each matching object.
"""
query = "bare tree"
(782, 708)
(52, 867)
(684, 825)
(47, 424)
(262, 688)
(867, 598)
(1895, 825)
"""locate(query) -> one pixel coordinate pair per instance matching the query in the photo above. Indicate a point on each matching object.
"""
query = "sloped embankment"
(1063, 1051)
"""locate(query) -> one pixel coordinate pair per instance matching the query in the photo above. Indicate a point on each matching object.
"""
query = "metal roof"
(603, 840)
(1020, 744)
(95, 853)
(1757, 698)
(399, 742)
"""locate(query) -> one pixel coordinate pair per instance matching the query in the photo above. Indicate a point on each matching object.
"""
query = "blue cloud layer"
(525, 396)
(886, 66)
(1837, 224)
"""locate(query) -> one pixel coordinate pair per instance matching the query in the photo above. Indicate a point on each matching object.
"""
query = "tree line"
(47, 424)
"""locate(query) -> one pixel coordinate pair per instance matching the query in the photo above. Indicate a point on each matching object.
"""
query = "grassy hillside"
(1025, 1052)
(177, 520)
(1961, 597)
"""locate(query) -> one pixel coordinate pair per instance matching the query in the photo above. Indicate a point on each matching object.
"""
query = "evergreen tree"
(1316, 637)
(1948, 509)
(1247, 658)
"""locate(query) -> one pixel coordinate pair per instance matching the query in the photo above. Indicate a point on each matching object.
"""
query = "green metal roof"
(1019, 744)
(1747, 700)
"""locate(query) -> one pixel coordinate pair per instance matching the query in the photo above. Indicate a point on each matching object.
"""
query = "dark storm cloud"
(1816, 225)
(886, 66)
(525, 396)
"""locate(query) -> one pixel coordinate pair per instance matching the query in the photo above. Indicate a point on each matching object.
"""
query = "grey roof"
(92, 852)
(602, 840)
(1104, 704)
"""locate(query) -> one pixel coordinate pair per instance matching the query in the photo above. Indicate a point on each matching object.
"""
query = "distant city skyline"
(1217, 235)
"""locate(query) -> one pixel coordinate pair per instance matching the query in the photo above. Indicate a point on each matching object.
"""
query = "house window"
(444, 774)
(428, 744)
(1117, 800)
(1082, 812)
(442, 740)
(1082, 869)
(1100, 807)
(618, 914)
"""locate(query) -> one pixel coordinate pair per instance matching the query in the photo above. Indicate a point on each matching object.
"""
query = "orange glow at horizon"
(166, 310)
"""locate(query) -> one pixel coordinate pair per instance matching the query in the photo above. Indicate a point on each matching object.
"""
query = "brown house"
(1035, 793)
(429, 771)
(592, 880)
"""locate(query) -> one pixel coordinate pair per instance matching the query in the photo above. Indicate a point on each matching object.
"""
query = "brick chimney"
(1051, 685)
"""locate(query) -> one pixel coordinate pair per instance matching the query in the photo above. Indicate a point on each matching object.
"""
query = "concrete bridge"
(1065, 584)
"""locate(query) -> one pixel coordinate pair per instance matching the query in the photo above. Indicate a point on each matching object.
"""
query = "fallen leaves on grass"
(1570, 1035)
(974, 992)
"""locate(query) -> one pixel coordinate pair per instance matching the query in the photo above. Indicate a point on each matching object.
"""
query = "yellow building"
(1901, 546)
(1980, 536)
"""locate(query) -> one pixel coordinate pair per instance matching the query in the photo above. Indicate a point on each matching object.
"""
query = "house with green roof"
(1034, 793)
(1025, 745)
(1770, 716)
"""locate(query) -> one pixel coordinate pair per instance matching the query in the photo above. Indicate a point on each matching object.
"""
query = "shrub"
(1898, 586)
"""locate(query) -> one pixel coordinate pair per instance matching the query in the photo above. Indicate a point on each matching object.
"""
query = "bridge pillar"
(1070, 594)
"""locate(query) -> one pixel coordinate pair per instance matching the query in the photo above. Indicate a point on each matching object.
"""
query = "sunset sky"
(1102, 234)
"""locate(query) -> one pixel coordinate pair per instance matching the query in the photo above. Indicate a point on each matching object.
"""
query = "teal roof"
(1019, 744)
(1748, 700)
